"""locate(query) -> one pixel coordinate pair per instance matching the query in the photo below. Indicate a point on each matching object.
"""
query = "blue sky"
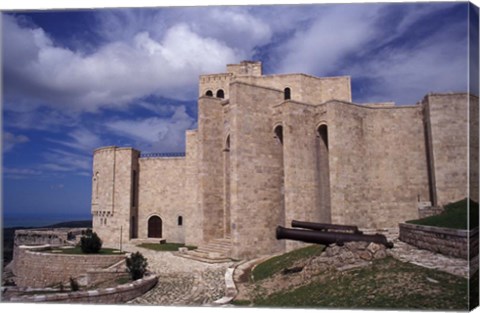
(77, 80)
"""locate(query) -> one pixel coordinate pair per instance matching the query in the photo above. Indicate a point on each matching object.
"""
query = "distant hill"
(9, 235)
(72, 224)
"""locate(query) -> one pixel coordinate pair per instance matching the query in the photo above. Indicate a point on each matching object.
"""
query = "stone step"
(138, 241)
(216, 251)
(202, 257)
(223, 241)
(217, 247)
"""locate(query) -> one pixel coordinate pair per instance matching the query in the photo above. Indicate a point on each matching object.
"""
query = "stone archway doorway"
(154, 227)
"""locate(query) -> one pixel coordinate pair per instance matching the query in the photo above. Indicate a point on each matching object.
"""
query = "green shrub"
(90, 242)
(137, 265)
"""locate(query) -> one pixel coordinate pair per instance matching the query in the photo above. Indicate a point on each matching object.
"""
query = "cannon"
(325, 227)
(327, 237)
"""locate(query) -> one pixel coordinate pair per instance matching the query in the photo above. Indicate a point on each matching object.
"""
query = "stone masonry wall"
(300, 165)
(452, 242)
(257, 175)
(448, 125)
(214, 83)
(210, 166)
(193, 220)
(305, 88)
(41, 269)
(163, 193)
(473, 147)
(378, 164)
(116, 295)
(112, 206)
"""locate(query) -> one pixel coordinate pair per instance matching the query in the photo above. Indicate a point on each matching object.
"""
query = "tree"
(90, 242)
(137, 265)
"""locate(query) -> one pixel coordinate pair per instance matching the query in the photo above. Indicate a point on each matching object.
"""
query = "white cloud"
(57, 160)
(20, 173)
(81, 139)
(10, 140)
(320, 47)
(156, 134)
(114, 75)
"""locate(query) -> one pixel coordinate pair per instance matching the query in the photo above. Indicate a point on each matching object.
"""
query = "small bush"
(74, 284)
(137, 265)
(90, 242)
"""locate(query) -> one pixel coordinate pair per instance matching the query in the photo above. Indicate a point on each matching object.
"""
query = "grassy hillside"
(455, 215)
(384, 284)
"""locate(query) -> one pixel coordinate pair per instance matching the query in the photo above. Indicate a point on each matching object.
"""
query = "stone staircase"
(215, 251)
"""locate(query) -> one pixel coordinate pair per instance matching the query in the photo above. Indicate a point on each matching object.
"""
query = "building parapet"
(162, 155)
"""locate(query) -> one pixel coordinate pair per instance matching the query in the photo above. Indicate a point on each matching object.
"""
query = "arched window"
(220, 93)
(209, 93)
(286, 94)
(180, 221)
(323, 134)
(279, 133)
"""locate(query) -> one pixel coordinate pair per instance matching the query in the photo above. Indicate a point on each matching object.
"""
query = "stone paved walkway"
(181, 281)
(408, 253)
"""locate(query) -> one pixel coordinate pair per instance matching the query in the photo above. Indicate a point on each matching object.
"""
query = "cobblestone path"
(181, 281)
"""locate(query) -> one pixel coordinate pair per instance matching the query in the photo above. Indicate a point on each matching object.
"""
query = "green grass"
(278, 263)
(78, 250)
(123, 280)
(454, 216)
(165, 246)
(387, 284)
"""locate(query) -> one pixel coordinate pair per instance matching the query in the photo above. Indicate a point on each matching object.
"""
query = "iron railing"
(162, 155)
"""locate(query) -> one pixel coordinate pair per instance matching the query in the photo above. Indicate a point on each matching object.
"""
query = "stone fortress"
(270, 149)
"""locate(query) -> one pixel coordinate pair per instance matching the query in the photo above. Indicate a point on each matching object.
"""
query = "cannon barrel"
(327, 238)
(325, 227)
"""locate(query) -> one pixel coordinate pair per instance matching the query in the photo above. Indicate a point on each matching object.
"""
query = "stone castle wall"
(378, 164)
(210, 166)
(163, 193)
(368, 165)
(304, 88)
(448, 128)
(257, 175)
(473, 147)
(113, 204)
(300, 149)
(194, 218)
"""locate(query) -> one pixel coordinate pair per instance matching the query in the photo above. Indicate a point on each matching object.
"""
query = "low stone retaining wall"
(42, 236)
(451, 242)
(33, 267)
(119, 294)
